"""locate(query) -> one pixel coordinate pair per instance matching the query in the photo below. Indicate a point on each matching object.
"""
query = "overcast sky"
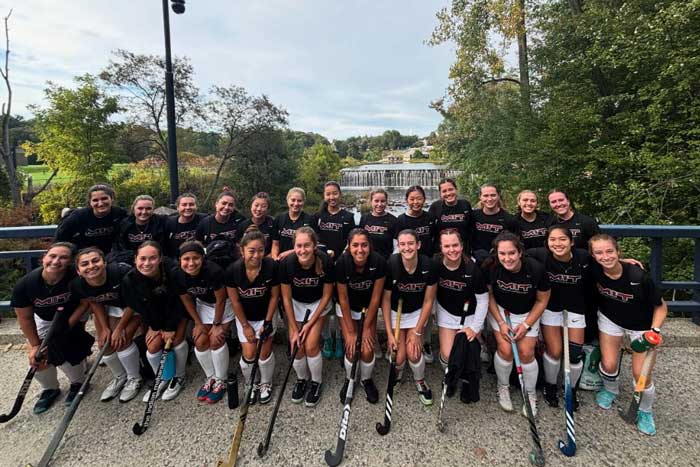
(340, 68)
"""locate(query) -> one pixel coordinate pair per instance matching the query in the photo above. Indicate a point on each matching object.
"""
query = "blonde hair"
(298, 190)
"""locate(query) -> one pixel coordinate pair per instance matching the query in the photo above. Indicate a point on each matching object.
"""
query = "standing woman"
(379, 224)
(306, 276)
(285, 224)
(359, 276)
(450, 212)
(150, 290)
(461, 290)
(569, 274)
(259, 208)
(141, 225)
(418, 220)
(183, 227)
(532, 223)
(96, 225)
(224, 224)
(489, 220)
(252, 284)
(582, 227)
(630, 304)
(520, 285)
(40, 297)
(411, 277)
(99, 286)
(200, 284)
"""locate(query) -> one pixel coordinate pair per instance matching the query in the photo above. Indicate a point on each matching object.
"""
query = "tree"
(319, 164)
(139, 83)
(5, 116)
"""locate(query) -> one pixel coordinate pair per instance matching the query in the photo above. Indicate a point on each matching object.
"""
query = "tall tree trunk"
(522, 57)
(7, 155)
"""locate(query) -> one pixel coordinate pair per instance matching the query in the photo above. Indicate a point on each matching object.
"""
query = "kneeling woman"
(149, 289)
(630, 304)
(306, 276)
(461, 292)
(99, 285)
(519, 285)
(411, 277)
(200, 284)
(359, 274)
(40, 298)
(253, 287)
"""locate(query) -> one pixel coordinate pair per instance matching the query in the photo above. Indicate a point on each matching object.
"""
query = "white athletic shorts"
(257, 326)
(42, 327)
(555, 318)
(608, 327)
(356, 315)
(408, 320)
(447, 320)
(300, 309)
(114, 311)
(206, 312)
(515, 319)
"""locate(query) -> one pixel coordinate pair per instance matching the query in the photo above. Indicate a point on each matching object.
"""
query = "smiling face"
(225, 206)
(148, 261)
(191, 262)
(57, 259)
(606, 254)
(489, 198)
(559, 243)
(415, 201)
(304, 247)
(560, 204)
(527, 202)
(408, 246)
(101, 203)
(509, 256)
(295, 203)
(448, 193)
(378, 204)
(187, 207)
(92, 267)
(451, 247)
(253, 253)
(143, 210)
(259, 208)
(331, 195)
(359, 248)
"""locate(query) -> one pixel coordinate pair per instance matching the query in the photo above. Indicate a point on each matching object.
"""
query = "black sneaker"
(424, 393)
(464, 394)
(551, 397)
(370, 391)
(344, 391)
(73, 391)
(253, 395)
(299, 391)
(46, 400)
(314, 394)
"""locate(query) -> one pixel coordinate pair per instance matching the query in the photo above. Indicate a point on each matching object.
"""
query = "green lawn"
(41, 173)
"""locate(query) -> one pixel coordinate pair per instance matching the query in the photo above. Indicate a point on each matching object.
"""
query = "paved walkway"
(187, 433)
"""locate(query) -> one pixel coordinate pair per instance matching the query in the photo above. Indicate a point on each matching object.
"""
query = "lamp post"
(179, 8)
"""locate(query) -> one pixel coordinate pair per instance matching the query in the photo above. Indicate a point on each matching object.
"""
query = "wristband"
(417, 333)
(527, 326)
(656, 330)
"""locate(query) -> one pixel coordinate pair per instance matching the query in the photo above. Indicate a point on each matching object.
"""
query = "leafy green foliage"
(319, 164)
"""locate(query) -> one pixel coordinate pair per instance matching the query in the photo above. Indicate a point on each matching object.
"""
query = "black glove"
(266, 330)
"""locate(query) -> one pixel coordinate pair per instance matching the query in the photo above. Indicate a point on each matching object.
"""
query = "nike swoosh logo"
(372, 269)
(467, 275)
(635, 283)
(424, 272)
(575, 320)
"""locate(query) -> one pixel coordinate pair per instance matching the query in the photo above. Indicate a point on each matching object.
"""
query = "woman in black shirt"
(417, 219)
(182, 227)
(451, 212)
(532, 223)
(141, 225)
(259, 208)
(287, 223)
(582, 227)
(379, 224)
(224, 225)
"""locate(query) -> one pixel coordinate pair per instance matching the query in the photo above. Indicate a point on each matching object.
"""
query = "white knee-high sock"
(551, 368)
(205, 361)
(114, 364)
(576, 370)
(610, 382)
(348, 368)
(267, 369)
(418, 368)
(181, 358)
(129, 358)
(530, 372)
(48, 378)
(246, 369)
(503, 368)
(301, 368)
(220, 358)
(648, 397)
(366, 369)
(316, 368)
(74, 373)
(153, 360)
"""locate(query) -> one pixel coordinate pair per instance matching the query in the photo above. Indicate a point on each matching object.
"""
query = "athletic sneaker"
(645, 423)
(327, 350)
(344, 390)
(113, 388)
(299, 391)
(533, 404)
(204, 391)
(73, 392)
(174, 388)
(551, 397)
(253, 395)
(131, 389)
(46, 400)
(339, 348)
(264, 393)
(605, 399)
(370, 391)
(314, 394)
(428, 353)
(218, 388)
(424, 393)
(504, 398)
(161, 389)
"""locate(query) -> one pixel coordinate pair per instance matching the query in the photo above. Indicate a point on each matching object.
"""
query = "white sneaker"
(113, 388)
(131, 389)
(504, 398)
(533, 403)
(161, 389)
(173, 389)
(265, 394)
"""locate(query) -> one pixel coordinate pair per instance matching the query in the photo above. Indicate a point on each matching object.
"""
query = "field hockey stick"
(568, 448)
(383, 429)
(140, 428)
(630, 415)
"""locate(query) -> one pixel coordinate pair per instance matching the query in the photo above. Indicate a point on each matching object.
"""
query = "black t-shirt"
(45, 300)
(283, 229)
(517, 291)
(254, 296)
(109, 293)
(203, 285)
(458, 286)
(424, 226)
(485, 227)
(582, 228)
(209, 229)
(570, 281)
(382, 231)
(307, 285)
(452, 217)
(333, 230)
(360, 284)
(131, 235)
(84, 229)
(265, 228)
(628, 301)
(177, 233)
(410, 287)
(533, 233)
